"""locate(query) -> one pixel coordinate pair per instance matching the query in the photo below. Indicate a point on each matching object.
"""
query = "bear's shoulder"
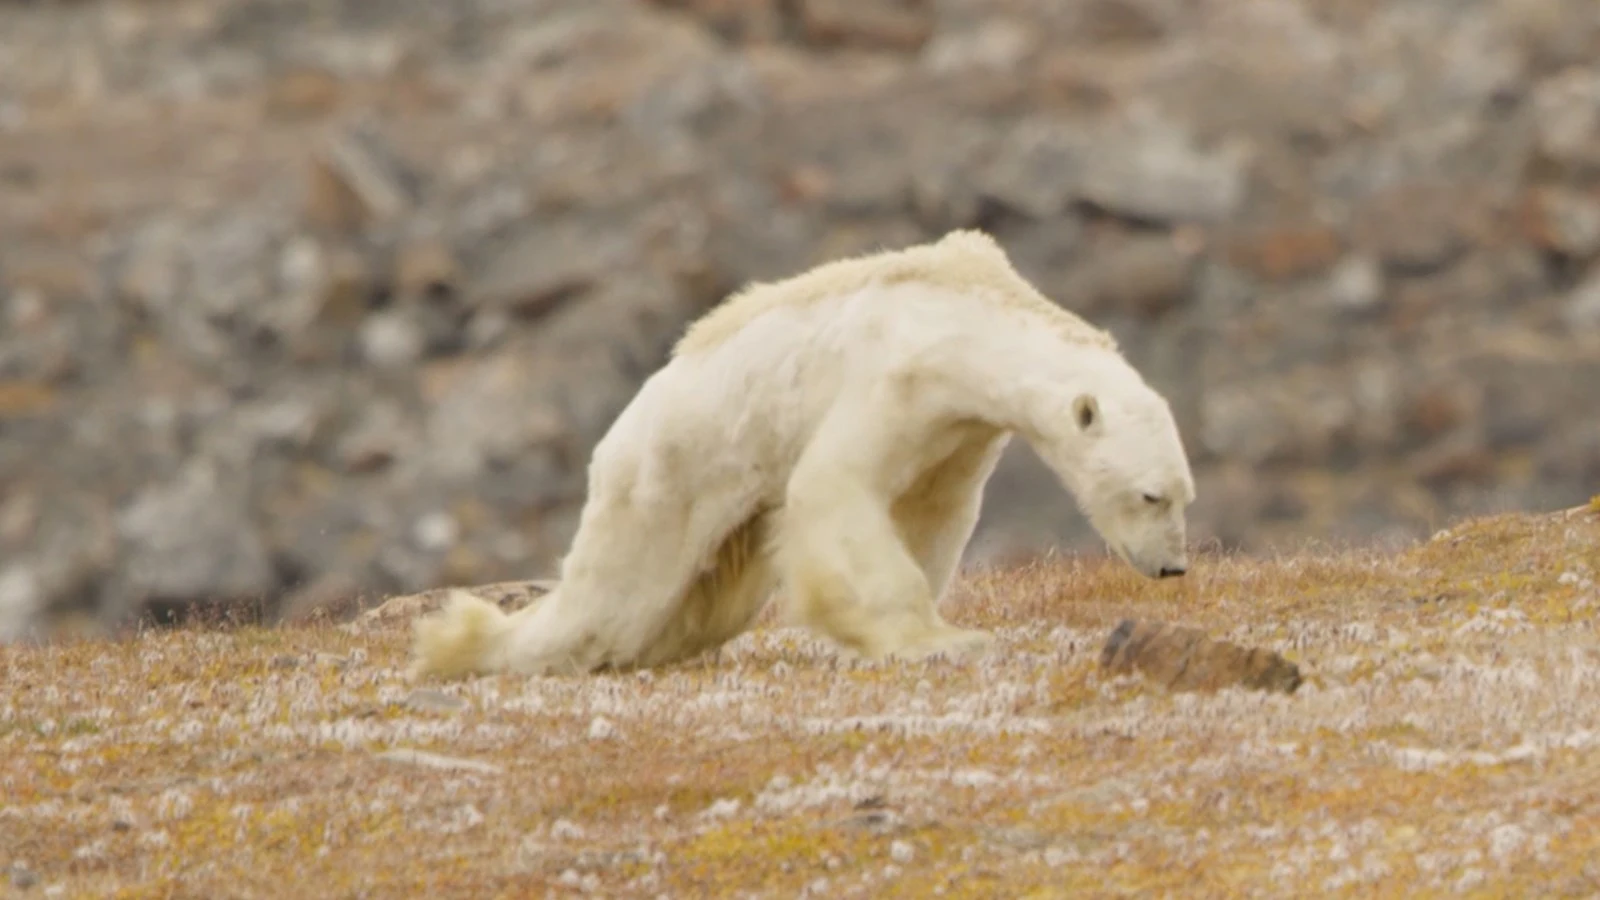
(966, 260)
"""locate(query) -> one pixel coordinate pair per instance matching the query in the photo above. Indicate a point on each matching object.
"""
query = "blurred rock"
(1582, 309)
(1281, 254)
(888, 24)
(544, 266)
(1147, 276)
(1567, 121)
(357, 179)
(411, 267)
(190, 542)
(1414, 228)
(1147, 168)
(1564, 221)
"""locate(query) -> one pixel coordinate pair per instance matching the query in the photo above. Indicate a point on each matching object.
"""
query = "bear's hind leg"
(723, 600)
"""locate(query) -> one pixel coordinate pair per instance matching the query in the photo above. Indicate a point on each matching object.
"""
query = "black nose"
(1172, 571)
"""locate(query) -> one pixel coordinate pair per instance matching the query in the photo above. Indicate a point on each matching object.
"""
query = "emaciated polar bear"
(832, 433)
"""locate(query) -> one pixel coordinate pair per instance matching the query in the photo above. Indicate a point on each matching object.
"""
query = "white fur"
(832, 434)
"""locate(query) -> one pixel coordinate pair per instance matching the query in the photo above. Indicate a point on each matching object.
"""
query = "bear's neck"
(1028, 387)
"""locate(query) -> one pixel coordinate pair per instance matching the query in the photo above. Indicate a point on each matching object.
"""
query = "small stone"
(436, 531)
(375, 440)
(1567, 121)
(1117, 22)
(1149, 170)
(750, 21)
(877, 821)
(1565, 221)
(1354, 285)
(601, 729)
(25, 399)
(1184, 659)
(347, 282)
(1581, 311)
(22, 877)
(566, 829)
(540, 270)
(302, 93)
(426, 268)
(902, 852)
(427, 700)
(1436, 409)
(392, 340)
(1414, 229)
(21, 601)
(1286, 253)
(995, 45)
(1459, 458)
(1147, 276)
(355, 180)
(437, 761)
(284, 661)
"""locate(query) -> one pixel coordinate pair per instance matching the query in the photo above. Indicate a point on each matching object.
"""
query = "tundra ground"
(1446, 741)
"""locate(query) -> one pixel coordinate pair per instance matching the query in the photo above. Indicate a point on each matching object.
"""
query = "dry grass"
(1447, 741)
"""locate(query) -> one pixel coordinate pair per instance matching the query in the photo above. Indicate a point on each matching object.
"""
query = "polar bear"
(831, 434)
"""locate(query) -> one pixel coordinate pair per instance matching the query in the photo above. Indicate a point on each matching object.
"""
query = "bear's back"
(965, 262)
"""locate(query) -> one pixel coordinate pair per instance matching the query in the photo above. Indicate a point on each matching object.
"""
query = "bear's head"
(1132, 477)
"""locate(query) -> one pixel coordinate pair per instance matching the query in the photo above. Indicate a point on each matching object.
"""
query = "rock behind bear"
(1184, 659)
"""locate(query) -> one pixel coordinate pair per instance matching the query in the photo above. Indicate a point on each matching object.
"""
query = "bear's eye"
(1152, 499)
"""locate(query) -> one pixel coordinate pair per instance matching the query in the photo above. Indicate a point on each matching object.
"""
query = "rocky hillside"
(301, 301)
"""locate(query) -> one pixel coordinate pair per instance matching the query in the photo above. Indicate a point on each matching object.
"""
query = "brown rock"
(302, 93)
(349, 281)
(1415, 228)
(1126, 22)
(1562, 220)
(749, 21)
(884, 24)
(1566, 111)
(1148, 276)
(330, 203)
(356, 179)
(25, 399)
(1438, 408)
(1184, 659)
(1286, 253)
(55, 274)
(538, 271)
(1458, 459)
(426, 267)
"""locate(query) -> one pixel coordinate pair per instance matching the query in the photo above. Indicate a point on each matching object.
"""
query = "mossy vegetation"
(1447, 741)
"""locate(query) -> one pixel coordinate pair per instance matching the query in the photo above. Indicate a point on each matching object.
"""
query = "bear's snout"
(1171, 571)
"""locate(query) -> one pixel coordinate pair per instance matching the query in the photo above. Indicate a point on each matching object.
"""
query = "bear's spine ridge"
(462, 639)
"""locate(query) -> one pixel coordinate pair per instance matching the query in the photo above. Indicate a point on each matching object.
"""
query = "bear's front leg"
(847, 571)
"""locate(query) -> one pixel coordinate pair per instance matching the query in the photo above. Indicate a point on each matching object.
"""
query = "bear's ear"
(1086, 412)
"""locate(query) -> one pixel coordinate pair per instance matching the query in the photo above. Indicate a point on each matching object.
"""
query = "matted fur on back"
(963, 261)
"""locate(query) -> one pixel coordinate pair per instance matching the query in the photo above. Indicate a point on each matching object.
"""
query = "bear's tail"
(463, 638)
